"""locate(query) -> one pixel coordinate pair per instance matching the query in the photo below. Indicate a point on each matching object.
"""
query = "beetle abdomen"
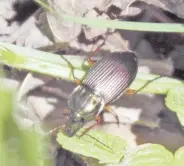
(112, 75)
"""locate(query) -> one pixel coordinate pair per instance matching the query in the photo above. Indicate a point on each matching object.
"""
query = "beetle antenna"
(99, 142)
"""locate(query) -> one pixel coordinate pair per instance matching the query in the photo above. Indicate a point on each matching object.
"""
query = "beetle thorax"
(85, 103)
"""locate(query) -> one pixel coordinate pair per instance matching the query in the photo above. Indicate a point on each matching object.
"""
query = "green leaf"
(180, 116)
(179, 157)
(97, 144)
(148, 155)
(175, 102)
(175, 99)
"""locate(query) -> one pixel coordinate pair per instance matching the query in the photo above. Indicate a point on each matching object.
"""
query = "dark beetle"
(104, 83)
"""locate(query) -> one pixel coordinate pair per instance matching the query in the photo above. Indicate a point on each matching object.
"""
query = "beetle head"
(84, 105)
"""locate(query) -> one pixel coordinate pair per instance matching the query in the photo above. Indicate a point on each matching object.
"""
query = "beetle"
(105, 82)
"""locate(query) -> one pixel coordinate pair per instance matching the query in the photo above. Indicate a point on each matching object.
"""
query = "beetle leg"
(90, 61)
(148, 82)
(55, 129)
(98, 120)
(130, 92)
(109, 109)
(77, 81)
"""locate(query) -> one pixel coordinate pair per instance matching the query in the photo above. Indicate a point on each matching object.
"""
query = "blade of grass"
(125, 25)
(57, 66)
(41, 62)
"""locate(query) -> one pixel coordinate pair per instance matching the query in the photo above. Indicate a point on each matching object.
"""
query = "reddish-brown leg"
(98, 119)
(90, 61)
(78, 82)
(130, 92)
(109, 109)
(56, 130)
